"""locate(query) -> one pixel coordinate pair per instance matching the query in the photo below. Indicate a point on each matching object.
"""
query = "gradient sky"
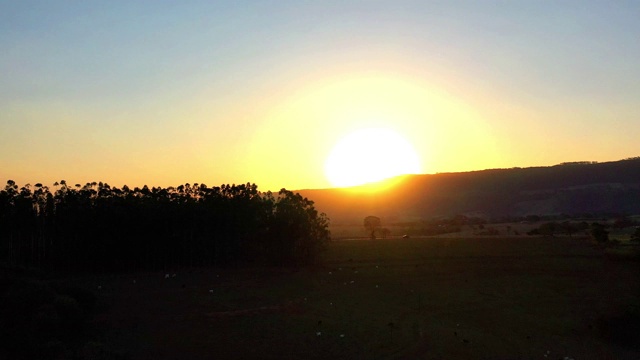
(168, 92)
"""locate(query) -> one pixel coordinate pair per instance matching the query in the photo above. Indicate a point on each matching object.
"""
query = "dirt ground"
(434, 298)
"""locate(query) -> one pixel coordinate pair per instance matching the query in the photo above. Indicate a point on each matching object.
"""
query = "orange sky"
(238, 92)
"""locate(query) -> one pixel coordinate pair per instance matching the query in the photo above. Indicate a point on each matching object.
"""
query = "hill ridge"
(567, 188)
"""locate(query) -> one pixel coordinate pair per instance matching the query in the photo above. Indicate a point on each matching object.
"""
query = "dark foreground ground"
(476, 298)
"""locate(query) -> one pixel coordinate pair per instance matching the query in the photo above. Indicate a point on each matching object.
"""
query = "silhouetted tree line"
(97, 227)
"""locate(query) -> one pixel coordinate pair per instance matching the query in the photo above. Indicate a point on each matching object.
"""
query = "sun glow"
(301, 125)
(370, 155)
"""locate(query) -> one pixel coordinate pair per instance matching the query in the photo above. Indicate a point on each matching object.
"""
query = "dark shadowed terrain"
(432, 298)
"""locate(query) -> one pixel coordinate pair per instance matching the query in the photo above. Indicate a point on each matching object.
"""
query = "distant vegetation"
(100, 228)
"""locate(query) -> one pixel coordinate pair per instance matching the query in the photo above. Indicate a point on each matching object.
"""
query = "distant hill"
(569, 188)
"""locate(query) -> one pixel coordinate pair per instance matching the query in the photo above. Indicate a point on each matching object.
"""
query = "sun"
(370, 155)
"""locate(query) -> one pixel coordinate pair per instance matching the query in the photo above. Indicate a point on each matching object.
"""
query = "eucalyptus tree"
(296, 231)
(8, 221)
(97, 227)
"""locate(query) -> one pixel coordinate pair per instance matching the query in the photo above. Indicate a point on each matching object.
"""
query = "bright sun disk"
(370, 155)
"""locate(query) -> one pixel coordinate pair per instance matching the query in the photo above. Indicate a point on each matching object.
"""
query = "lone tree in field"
(371, 223)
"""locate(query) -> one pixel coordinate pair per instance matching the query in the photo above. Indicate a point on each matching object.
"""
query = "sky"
(164, 93)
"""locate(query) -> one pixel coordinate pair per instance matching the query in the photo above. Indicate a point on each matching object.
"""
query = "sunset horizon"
(161, 94)
(374, 186)
(319, 179)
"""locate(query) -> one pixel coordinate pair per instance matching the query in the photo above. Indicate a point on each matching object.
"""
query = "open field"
(435, 298)
(352, 231)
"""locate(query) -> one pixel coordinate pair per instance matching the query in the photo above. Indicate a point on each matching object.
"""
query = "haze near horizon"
(162, 93)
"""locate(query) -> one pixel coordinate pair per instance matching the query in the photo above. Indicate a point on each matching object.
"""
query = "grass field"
(433, 298)
(350, 231)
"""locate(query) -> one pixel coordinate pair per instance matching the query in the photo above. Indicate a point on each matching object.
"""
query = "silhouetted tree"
(298, 231)
(371, 224)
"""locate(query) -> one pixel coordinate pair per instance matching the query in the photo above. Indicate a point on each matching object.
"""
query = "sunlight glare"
(370, 155)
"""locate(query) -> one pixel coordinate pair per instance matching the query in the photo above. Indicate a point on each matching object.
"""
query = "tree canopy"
(96, 227)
